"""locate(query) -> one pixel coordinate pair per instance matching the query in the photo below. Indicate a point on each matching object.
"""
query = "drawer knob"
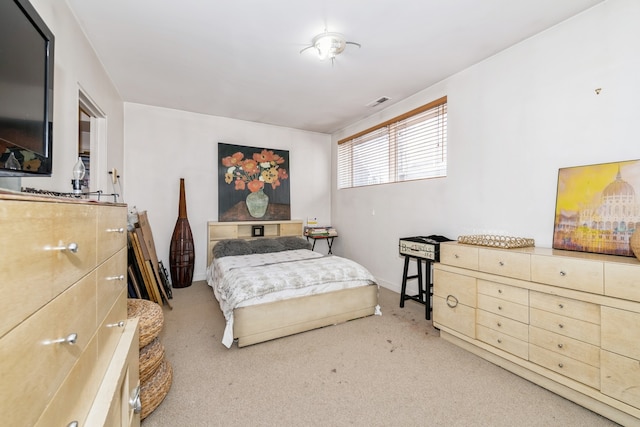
(560, 345)
(71, 247)
(562, 273)
(73, 424)
(499, 324)
(135, 402)
(69, 339)
(499, 307)
(499, 341)
(499, 291)
(115, 230)
(456, 256)
(501, 264)
(561, 305)
(120, 277)
(561, 326)
(119, 324)
(452, 301)
(560, 365)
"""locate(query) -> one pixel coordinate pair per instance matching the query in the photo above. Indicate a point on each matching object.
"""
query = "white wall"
(164, 145)
(77, 66)
(514, 120)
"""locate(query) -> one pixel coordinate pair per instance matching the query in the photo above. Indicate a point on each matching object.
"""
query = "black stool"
(424, 286)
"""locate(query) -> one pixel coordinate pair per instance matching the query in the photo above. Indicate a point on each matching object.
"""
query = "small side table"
(329, 240)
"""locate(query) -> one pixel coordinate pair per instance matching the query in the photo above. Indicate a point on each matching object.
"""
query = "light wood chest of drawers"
(567, 321)
(68, 354)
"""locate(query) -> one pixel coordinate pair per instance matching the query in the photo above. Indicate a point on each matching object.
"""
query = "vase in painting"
(257, 203)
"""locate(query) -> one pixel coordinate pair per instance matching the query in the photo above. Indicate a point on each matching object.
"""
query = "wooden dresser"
(68, 354)
(568, 321)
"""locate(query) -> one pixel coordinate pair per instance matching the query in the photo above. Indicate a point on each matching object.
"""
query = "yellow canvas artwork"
(597, 207)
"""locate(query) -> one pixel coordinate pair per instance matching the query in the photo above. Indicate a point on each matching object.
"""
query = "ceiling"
(241, 59)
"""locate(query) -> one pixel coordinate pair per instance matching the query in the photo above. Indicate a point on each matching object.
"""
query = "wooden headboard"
(217, 231)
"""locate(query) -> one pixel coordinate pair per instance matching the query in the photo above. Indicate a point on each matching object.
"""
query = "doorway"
(84, 143)
(92, 143)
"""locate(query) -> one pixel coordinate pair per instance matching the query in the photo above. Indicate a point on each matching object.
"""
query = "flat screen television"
(26, 91)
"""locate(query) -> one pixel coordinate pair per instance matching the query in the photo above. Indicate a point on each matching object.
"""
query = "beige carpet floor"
(389, 370)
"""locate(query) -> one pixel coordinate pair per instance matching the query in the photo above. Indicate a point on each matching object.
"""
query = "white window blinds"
(411, 146)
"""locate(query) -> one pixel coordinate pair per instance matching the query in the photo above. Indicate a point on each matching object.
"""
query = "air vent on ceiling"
(378, 101)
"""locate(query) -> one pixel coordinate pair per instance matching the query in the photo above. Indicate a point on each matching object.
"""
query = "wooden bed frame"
(259, 323)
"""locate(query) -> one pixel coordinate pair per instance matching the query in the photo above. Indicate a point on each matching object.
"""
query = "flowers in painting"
(253, 173)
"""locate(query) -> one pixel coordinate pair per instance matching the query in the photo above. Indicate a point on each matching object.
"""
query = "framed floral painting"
(597, 208)
(253, 184)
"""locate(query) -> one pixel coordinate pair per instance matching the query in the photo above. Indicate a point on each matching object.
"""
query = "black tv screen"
(26, 91)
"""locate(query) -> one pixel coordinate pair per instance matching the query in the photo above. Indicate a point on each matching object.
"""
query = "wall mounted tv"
(26, 91)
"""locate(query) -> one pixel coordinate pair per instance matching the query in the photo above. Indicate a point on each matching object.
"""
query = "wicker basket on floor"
(151, 357)
(156, 374)
(153, 391)
(151, 318)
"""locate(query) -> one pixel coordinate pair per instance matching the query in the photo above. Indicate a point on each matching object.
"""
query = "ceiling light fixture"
(329, 45)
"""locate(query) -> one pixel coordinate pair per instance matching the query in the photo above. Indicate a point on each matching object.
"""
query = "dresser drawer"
(504, 308)
(462, 287)
(115, 400)
(505, 292)
(70, 266)
(566, 307)
(621, 280)
(459, 255)
(620, 378)
(565, 365)
(25, 232)
(567, 326)
(111, 282)
(579, 274)
(70, 402)
(33, 364)
(505, 325)
(505, 263)
(111, 329)
(503, 341)
(575, 349)
(111, 231)
(621, 332)
(455, 316)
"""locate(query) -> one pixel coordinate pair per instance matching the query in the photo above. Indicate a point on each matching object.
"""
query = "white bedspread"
(238, 281)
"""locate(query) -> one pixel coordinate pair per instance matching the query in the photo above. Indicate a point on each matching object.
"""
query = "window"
(408, 147)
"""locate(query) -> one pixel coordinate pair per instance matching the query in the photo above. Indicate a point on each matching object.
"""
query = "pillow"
(291, 243)
(263, 246)
(230, 247)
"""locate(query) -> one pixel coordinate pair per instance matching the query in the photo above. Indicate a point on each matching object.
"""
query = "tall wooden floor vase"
(181, 251)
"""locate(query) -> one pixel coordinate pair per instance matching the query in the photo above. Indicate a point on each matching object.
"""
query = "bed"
(274, 286)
